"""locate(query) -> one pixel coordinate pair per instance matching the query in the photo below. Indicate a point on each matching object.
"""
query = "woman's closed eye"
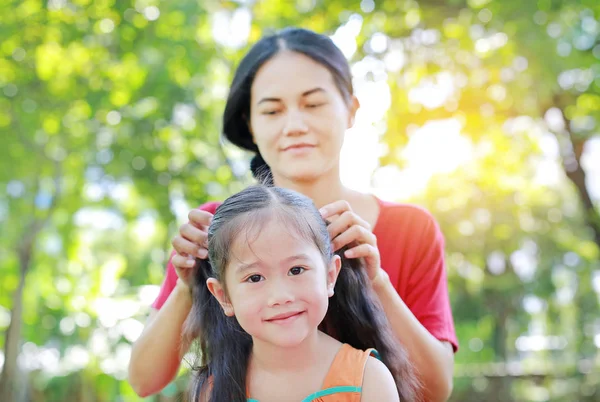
(294, 271)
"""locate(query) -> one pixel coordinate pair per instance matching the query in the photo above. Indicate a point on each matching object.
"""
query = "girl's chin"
(285, 338)
(283, 342)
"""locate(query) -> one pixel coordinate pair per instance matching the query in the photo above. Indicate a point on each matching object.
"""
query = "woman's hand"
(347, 227)
(191, 243)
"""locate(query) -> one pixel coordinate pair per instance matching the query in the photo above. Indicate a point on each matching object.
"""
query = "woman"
(290, 103)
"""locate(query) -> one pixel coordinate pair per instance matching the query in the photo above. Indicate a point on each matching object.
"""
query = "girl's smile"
(285, 318)
(278, 283)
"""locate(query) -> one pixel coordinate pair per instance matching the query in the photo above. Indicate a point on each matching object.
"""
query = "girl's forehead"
(272, 233)
(264, 254)
(275, 238)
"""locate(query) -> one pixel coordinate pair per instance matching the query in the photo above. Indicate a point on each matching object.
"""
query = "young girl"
(260, 299)
(290, 102)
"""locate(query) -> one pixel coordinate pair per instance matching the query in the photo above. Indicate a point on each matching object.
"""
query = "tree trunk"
(500, 387)
(571, 150)
(12, 344)
(577, 176)
(9, 381)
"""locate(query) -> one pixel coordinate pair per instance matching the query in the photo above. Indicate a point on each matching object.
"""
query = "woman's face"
(298, 117)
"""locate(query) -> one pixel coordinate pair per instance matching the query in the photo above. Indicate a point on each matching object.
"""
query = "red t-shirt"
(411, 246)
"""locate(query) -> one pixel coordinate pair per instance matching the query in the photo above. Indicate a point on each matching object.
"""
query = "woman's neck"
(275, 359)
(323, 190)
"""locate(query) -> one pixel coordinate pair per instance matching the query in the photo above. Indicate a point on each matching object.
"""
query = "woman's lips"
(299, 148)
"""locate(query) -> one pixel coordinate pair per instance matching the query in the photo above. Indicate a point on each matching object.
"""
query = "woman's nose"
(295, 123)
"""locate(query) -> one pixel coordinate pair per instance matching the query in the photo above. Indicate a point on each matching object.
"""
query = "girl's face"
(298, 117)
(277, 285)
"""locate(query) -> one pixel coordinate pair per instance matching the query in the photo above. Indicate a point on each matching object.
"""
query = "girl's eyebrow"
(241, 268)
(305, 93)
(296, 257)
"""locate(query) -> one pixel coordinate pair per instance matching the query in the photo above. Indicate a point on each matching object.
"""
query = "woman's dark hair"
(354, 315)
(236, 117)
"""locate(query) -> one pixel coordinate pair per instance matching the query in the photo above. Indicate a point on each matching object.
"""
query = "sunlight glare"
(433, 92)
(590, 161)
(144, 229)
(437, 147)
(363, 139)
(345, 36)
(148, 293)
(232, 29)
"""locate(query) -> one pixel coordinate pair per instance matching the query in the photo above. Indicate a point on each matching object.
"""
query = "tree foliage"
(110, 121)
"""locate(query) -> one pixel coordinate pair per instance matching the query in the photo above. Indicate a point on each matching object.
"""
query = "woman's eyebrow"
(264, 100)
(312, 91)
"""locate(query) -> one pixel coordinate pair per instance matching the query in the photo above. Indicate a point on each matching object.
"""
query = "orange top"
(343, 382)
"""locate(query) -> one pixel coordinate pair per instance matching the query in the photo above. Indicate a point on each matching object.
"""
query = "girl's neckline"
(323, 389)
(325, 392)
(340, 389)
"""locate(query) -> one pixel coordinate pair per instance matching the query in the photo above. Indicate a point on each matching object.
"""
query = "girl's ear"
(217, 290)
(332, 273)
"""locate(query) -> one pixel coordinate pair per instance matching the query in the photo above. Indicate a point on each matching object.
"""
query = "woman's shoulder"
(395, 214)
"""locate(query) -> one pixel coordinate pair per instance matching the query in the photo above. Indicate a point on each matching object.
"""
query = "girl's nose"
(279, 293)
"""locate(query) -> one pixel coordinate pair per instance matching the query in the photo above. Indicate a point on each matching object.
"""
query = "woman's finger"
(183, 246)
(182, 261)
(193, 234)
(355, 233)
(335, 208)
(362, 251)
(199, 218)
(370, 255)
(345, 221)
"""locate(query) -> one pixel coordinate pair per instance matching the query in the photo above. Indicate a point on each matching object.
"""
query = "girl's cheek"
(248, 298)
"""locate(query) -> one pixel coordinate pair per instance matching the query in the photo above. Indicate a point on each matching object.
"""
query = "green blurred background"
(483, 111)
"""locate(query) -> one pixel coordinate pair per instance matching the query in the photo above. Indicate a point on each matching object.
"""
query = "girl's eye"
(254, 278)
(270, 112)
(314, 105)
(297, 270)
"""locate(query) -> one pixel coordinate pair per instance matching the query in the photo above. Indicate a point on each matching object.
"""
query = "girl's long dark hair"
(319, 48)
(224, 346)
(354, 315)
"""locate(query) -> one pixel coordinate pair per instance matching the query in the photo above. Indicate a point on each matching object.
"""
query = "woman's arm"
(157, 354)
(378, 383)
(432, 358)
